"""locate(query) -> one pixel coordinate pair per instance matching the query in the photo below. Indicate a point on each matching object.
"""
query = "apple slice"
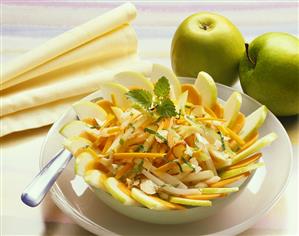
(207, 89)
(253, 122)
(219, 190)
(95, 178)
(238, 171)
(152, 202)
(118, 113)
(84, 162)
(119, 191)
(75, 143)
(86, 109)
(133, 80)
(259, 144)
(232, 108)
(74, 128)
(159, 71)
(181, 102)
(116, 92)
(190, 202)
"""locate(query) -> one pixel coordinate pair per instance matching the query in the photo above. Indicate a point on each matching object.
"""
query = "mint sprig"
(159, 104)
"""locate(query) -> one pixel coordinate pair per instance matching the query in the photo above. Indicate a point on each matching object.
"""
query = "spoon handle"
(35, 192)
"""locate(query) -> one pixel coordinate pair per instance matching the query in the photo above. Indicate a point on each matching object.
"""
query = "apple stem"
(247, 53)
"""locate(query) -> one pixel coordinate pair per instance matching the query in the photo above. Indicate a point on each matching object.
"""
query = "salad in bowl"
(153, 147)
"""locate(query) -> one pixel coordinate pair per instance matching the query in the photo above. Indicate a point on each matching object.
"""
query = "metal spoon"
(35, 192)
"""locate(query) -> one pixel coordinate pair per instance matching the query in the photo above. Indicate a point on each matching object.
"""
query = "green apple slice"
(117, 112)
(159, 71)
(132, 79)
(95, 178)
(253, 122)
(84, 162)
(117, 91)
(232, 108)
(119, 191)
(75, 143)
(238, 171)
(190, 202)
(207, 89)
(219, 190)
(74, 128)
(148, 201)
(259, 144)
(181, 102)
(86, 109)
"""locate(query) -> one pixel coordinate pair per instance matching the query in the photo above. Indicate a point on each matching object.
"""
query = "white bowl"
(256, 196)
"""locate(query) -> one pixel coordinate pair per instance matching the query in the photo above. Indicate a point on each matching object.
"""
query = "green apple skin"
(269, 72)
(207, 42)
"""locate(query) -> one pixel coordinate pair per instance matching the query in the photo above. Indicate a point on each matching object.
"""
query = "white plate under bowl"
(263, 190)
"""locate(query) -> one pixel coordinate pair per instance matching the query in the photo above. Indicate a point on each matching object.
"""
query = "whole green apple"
(207, 42)
(269, 72)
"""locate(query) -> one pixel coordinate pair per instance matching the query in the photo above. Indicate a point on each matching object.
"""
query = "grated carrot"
(210, 112)
(226, 182)
(124, 169)
(113, 99)
(218, 110)
(246, 161)
(108, 143)
(232, 134)
(106, 105)
(251, 141)
(193, 94)
(133, 155)
(239, 123)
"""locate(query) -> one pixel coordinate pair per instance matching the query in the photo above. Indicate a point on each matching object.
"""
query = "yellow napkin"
(40, 85)
(66, 42)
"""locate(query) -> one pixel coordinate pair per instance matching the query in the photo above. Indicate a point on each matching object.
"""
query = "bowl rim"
(81, 220)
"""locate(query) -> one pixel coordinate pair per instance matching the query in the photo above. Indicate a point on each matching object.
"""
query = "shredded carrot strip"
(218, 110)
(90, 121)
(249, 142)
(210, 112)
(113, 99)
(167, 166)
(232, 134)
(137, 155)
(106, 105)
(108, 121)
(123, 170)
(225, 182)
(209, 118)
(193, 94)
(205, 196)
(108, 143)
(246, 161)
(239, 123)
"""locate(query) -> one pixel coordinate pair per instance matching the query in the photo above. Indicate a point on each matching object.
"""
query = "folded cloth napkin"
(121, 41)
(39, 86)
(66, 42)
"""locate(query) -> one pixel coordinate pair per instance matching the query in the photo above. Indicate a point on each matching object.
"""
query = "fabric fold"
(121, 41)
(67, 41)
(59, 97)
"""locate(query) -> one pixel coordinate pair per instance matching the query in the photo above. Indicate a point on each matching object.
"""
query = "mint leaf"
(151, 131)
(156, 134)
(166, 108)
(162, 87)
(141, 97)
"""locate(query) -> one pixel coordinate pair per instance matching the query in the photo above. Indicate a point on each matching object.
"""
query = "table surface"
(26, 24)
